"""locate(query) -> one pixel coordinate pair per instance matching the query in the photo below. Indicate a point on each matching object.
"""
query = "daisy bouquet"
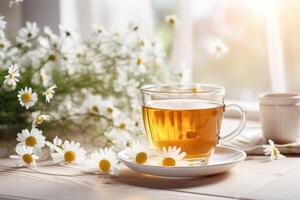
(58, 81)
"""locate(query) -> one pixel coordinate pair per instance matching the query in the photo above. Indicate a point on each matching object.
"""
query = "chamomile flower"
(172, 20)
(39, 119)
(4, 44)
(218, 48)
(33, 138)
(29, 32)
(108, 109)
(121, 138)
(92, 104)
(123, 122)
(97, 28)
(70, 153)
(25, 156)
(172, 157)
(139, 152)
(106, 161)
(273, 151)
(49, 93)
(27, 98)
(11, 78)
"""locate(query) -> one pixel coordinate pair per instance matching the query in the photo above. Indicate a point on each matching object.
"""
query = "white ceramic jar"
(280, 116)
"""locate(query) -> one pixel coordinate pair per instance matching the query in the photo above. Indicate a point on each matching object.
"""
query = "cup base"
(203, 157)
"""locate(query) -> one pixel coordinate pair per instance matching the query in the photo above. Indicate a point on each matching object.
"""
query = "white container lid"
(279, 99)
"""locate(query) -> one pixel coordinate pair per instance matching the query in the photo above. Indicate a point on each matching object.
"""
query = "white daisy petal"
(15, 156)
(49, 93)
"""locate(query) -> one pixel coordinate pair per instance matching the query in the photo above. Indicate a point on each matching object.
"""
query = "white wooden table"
(255, 178)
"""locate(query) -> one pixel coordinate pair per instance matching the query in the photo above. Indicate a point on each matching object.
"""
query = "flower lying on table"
(25, 156)
(33, 139)
(105, 161)
(70, 153)
(273, 151)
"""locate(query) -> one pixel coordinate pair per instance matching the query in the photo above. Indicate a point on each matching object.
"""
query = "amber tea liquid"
(191, 124)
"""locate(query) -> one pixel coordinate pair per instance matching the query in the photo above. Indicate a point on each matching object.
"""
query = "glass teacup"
(187, 116)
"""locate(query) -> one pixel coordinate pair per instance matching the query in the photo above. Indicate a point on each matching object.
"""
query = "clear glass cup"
(187, 116)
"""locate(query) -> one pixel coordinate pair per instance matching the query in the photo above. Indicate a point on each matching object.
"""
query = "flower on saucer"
(106, 161)
(11, 78)
(27, 98)
(39, 119)
(172, 157)
(33, 138)
(25, 156)
(273, 151)
(70, 153)
(139, 152)
(49, 93)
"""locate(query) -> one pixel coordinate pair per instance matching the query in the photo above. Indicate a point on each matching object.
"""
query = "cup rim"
(279, 98)
(153, 88)
(280, 95)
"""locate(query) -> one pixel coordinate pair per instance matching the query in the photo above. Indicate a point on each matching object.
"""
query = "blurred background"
(261, 36)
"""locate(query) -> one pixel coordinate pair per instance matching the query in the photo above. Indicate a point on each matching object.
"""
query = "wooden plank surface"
(256, 178)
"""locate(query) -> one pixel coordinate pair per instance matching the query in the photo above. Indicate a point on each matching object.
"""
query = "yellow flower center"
(141, 158)
(78, 55)
(168, 162)
(142, 43)
(139, 61)
(104, 165)
(11, 75)
(276, 152)
(30, 141)
(95, 109)
(122, 126)
(26, 97)
(99, 30)
(27, 158)
(70, 156)
(109, 110)
(52, 57)
(218, 48)
(194, 89)
(172, 21)
(39, 119)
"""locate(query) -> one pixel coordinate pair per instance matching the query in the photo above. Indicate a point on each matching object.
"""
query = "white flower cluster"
(104, 161)
(104, 72)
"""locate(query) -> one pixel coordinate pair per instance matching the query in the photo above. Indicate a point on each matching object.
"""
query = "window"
(261, 36)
